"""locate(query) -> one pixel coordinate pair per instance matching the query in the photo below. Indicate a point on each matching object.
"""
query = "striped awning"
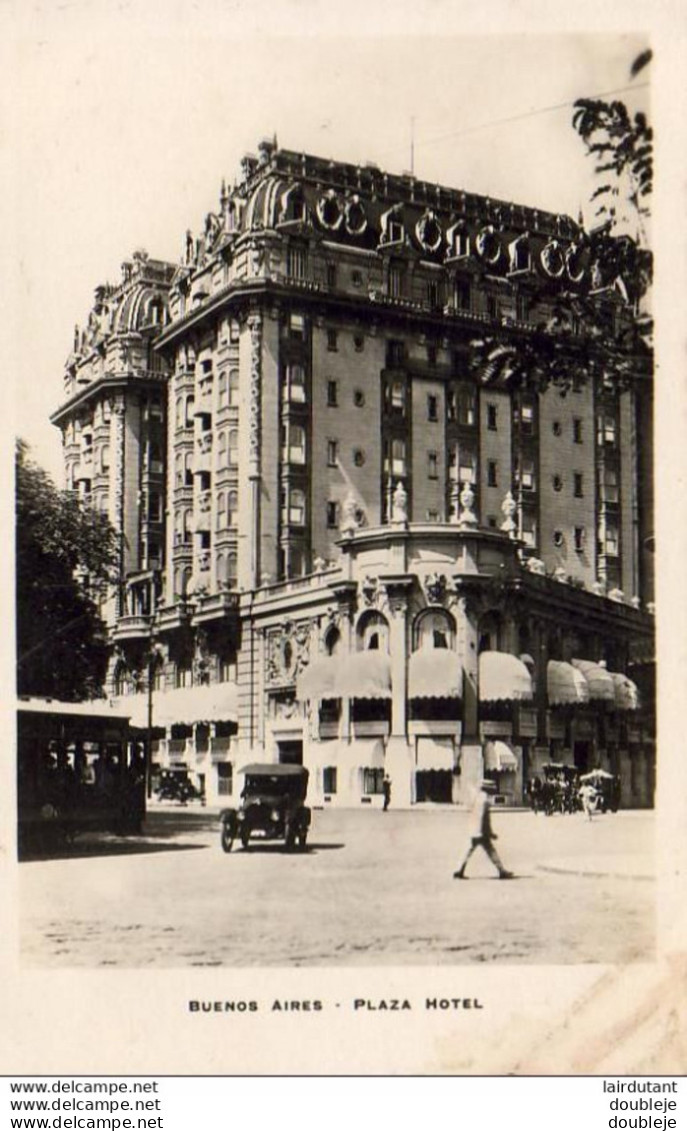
(565, 684)
(626, 692)
(365, 675)
(207, 703)
(319, 680)
(498, 756)
(503, 677)
(599, 681)
(435, 673)
(434, 753)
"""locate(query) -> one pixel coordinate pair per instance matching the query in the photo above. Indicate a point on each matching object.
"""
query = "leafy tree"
(67, 555)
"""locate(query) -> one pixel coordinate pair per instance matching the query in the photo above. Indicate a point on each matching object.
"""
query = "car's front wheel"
(245, 837)
(227, 836)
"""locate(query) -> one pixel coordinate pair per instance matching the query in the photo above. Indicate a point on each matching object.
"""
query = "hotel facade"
(343, 542)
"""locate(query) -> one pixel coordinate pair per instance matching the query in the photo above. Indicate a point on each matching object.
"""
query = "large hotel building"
(343, 543)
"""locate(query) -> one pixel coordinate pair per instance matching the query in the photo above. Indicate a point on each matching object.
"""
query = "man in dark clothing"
(386, 790)
(481, 832)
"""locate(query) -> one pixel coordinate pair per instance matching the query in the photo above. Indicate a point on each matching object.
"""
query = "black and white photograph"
(335, 477)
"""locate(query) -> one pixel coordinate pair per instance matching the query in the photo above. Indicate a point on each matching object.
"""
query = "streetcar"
(78, 771)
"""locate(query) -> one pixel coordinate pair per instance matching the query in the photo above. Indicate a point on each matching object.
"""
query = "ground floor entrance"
(434, 785)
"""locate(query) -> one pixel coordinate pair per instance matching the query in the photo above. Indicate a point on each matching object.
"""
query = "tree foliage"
(67, 555)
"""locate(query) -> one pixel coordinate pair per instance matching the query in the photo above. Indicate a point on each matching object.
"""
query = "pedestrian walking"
(386, 790)
(481, 832)
(589, 798)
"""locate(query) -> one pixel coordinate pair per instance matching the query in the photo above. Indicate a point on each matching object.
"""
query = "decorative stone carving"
(399, 504)
(201, 659)
(255, 327)
(560, 574)
(599, 588)
(508, 509)
(467, 516)
(536, 565)
(636, 602)
(349, 515)
(369, 589)
(616, 595)
(288, 652)
(435, 586)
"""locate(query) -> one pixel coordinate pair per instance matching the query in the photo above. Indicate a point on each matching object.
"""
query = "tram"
(78, 770)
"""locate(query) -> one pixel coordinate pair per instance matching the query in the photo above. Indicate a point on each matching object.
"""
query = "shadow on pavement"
(88, 849)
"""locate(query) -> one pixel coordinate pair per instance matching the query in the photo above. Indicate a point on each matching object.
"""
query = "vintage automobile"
(271, 807)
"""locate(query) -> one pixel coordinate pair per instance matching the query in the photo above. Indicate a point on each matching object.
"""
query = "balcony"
(174, 616)
(215, 606)
(132, 627)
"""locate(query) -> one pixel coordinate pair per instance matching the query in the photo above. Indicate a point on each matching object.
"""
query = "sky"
(124, 119)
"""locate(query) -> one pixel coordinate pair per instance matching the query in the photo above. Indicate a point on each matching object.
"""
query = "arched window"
(373, 633)
(186, 580)
(221, 450)
(188, 469)
(234, 388)
(221, 569)
(434, 629)
(222, 389)
(180, 412)
(233, 448)
(190, 405)
(188, 525)
(221, 510)
(332, 642)
(179, 527)
(490, 632)
(233, 508)
(178, 470)
(297, 507)
(232, 568)
(121, 679)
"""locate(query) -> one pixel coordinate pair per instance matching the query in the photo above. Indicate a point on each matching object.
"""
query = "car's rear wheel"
(227, 836)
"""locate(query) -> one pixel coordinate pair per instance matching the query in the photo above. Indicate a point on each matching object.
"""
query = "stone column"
(398, 761)
(254, 474)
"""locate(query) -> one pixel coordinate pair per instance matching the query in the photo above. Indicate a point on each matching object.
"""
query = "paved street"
(372, 889)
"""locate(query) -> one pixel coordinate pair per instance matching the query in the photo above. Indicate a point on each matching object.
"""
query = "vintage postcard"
(342, 726)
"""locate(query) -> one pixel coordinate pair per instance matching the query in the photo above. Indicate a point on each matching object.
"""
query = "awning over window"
(565, 684)
(498, 756)
(599, 681)
(502, 676)
(626, 692)
(435, 673)
(208, 703)
(365, 675)
(435, 753)
(319, 679)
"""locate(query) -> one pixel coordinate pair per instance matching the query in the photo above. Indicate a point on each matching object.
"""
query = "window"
(557, 483)
(332, 453)
(233, 508)
(332, 515)
(522, 308)
(492, 306)
(225, 779)
(577, 430)
(556, 428)
(462, 465)
(432, 516)
(558, 538)
(332, 394)
(462, 294)
(234, 388)
(373, 781)
(297, 327)
(359, 343)
(433, 295)
(606, 429)
(180, 412)
(492, 414)
(491, 521)
(294, 384)
(357, 278)
(332, 340)
(233, 448)
(461, 243)
(578, 485)
(462, 405)
(396, 278)
(611, 540)
(395, 354)
(329, 779)
(296, 256)
(528, 532)
(331, 275)
(234, 331)
(492, 473)
(221, 510)
(396, 397)
(358, 457)
(105, 458)
(182, 676)
(296, 508)
(432, 465)
(154, 507)
(293, 444)
(358, 398)
(395, 457)
(524, 478)
(188, 469)
(232, 568)
(190, 404)
(579, 534)
(609, 485)
(527, 418)
(432, 407)
(227, 669)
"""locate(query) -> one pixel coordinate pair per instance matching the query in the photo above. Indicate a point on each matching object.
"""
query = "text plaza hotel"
(343, 542)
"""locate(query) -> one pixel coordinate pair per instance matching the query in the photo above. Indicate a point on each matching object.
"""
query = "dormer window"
(519, 254)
